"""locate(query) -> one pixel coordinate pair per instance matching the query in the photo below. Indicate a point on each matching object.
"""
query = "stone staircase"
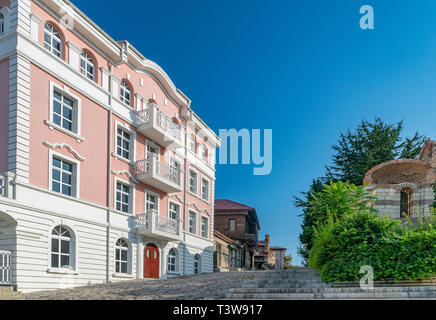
(304, 283)
(7, 292)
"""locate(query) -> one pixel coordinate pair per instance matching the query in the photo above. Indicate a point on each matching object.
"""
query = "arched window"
(87, 66)
(121, 256)
(125, 93)
(172, 260)
(52, 40)
(197, 265)
(405, 202)
(61, 248)
(2, 24)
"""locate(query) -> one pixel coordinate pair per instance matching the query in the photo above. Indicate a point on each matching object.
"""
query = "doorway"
(151, 261)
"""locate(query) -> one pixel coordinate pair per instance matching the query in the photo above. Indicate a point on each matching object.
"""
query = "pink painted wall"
(93, 170)
(4, 112)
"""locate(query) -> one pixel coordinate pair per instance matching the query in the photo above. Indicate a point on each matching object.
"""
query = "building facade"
(106, 171)
(268, 256)
(404, 187)
(240, 223)
(227, 253)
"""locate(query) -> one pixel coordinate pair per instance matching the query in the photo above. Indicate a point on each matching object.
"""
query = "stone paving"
(199, 287)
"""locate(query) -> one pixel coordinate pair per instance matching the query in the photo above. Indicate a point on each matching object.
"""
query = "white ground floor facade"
(57, 242)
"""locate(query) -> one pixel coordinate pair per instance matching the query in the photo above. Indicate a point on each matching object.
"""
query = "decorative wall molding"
(175, 195)
(193, 204)
(403, 185)
(127, 173)
(66, 146)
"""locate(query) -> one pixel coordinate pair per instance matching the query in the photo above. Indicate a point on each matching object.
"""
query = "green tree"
(369, 145)
(288, 262)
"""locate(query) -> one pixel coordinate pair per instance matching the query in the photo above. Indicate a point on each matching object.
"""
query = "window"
(203, 153)
(61, 248)
(62, 176)
(52, 40)
(121, 256)
(87, 65)
(172, 260)
(193, 181)
(232, 224)
(151, 201)
(123, 143)
(174, 211)
(2, 24)
(192, 219)
(63, 111)
(205, 189)
(405, 202)
(123, 197)
(192, 142)
(197, 263)
(204, 227)
(125, 93)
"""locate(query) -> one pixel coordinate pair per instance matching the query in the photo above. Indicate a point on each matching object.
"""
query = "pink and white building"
(106, 173)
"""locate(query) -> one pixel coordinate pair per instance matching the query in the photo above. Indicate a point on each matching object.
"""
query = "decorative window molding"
(192, 222)
(174, 210)
(122, 257)
(131, 200)
(403, 185)
(53, 40)
(64, 145)
(62, 249)
(204, 226)
(193, 181)
(152, 200)
(87, 65)
(76, 110)
(127, 173)
(75, 177)
(132, 141)
(173, 260)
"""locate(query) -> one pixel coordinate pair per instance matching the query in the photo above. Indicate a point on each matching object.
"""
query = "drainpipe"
(109, 175)
(186, 218)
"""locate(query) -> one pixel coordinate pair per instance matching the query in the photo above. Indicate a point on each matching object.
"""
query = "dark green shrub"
(342, 247)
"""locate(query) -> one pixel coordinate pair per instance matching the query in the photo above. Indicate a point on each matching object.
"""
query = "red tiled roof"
(229, 205)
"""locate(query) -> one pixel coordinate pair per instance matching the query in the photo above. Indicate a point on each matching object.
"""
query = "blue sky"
(301, 68)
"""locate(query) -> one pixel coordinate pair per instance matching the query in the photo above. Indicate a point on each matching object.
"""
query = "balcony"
(158, 126)
(155, 226)
(157, 174)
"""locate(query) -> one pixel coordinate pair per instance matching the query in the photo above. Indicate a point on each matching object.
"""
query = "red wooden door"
(151, 262)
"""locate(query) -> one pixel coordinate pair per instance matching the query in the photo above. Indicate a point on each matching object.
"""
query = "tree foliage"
(370, 144)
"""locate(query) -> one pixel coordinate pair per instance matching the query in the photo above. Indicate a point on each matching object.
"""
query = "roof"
(277, 248)
(229, 205)
(224, 238)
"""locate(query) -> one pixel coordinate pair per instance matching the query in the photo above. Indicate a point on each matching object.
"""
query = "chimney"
(267, 242)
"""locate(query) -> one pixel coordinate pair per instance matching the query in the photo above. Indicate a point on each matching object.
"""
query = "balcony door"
(151, 261)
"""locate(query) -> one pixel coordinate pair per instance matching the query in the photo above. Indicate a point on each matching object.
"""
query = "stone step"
(285, 284)
(334, 290)
(358, 295)
(8, 291)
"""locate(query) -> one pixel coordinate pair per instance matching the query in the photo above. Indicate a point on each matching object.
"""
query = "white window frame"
(178, 212)
(51, 49)
(196, 181)
(75, 180)
(198, 261)
(123, 93)
(176, 261)
(191, 141)
(195, 221)
(132, 190)
(77, 111)
(119, 261)
(132, 143)
(203, 180)
(87, 61)
(207, 226)
(157, 197)
(73, 250)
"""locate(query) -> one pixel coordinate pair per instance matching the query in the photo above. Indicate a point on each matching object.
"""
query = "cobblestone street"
(200, 287)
